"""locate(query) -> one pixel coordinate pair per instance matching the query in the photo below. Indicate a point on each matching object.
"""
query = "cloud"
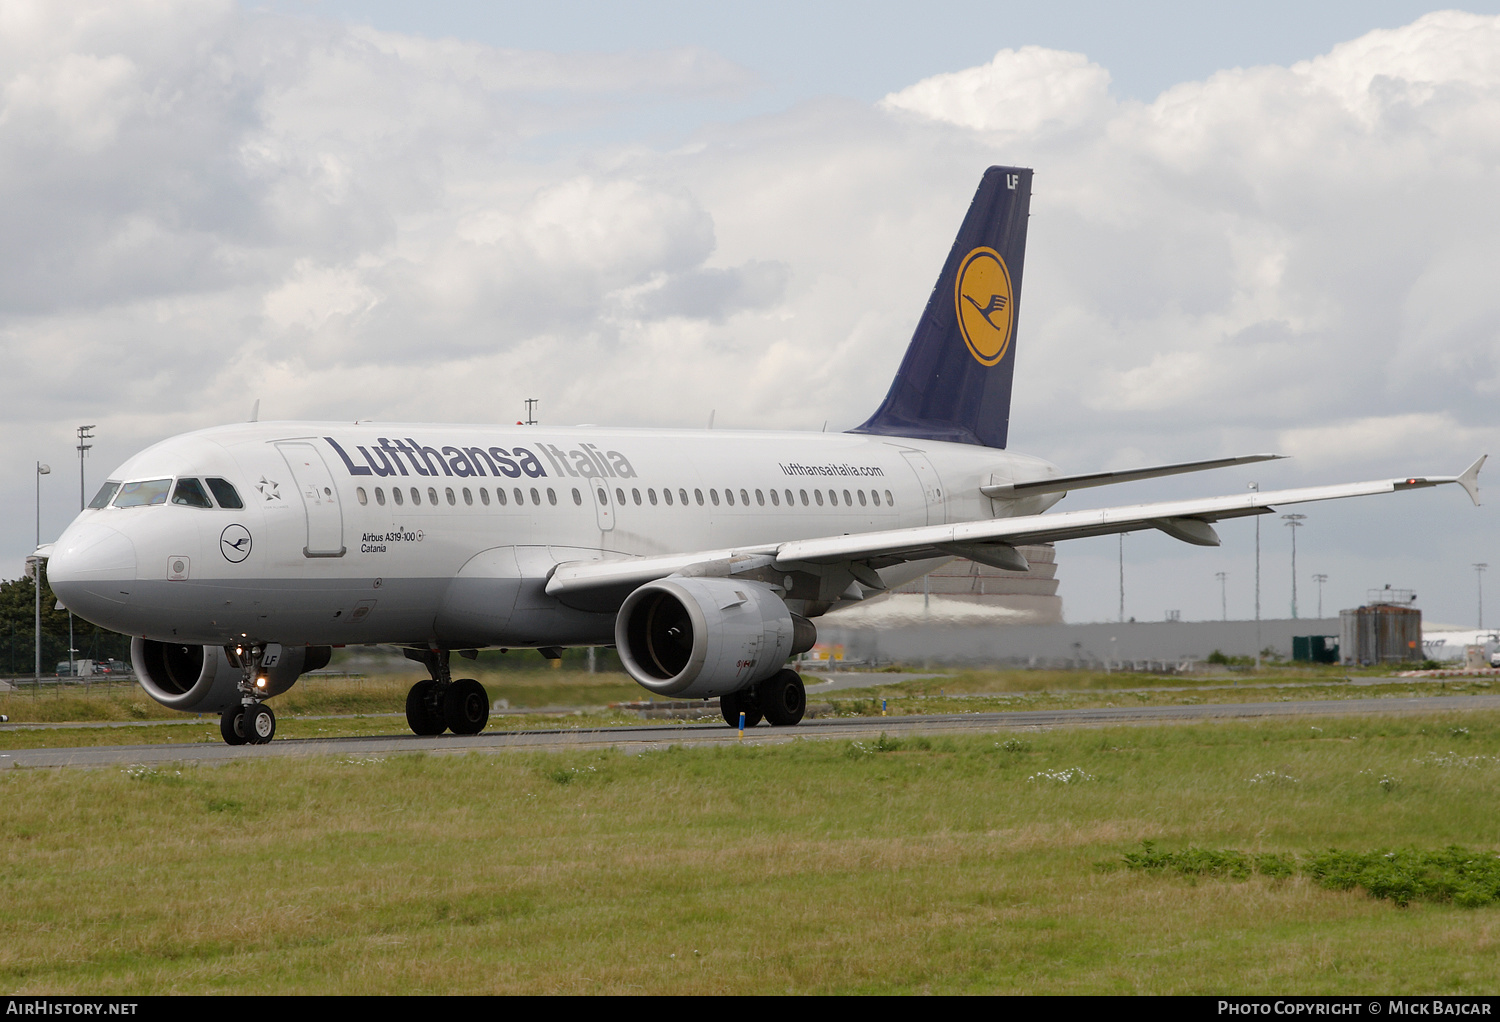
(1026, 90)
(201, 205)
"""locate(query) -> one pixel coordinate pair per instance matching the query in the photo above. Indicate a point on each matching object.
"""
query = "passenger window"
(144, 493)
(848, 500)
(396, 493)
(728, 496)
(818, 496)
(416, 496)
(833, 497)
(552, 496)
(484, 496)
(635, 495)
(452, 500)
(889, 499)
(359, 491)
(713, 495)
(603, 497)
(697, 493)
(760, 498)
(468, 497)
(790, 501)
(225, 494)
(666, 494)
(619, 496)
(875, 496)
(536, 498)
(500, 495)
(651, 496)
(861, 497)
(745, 498)
(577, 497)
(804, 497)
(432, 495)
(101, 499)
(775, 499)
(380, 496)
(682, 496)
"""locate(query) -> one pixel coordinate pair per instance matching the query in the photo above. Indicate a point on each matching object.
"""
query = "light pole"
(41, 470)
(1122, 578)
(1294, 522)
(1320, 579)
(1223, 593)
(1256, 488)
(1479, 576)
(83, 449)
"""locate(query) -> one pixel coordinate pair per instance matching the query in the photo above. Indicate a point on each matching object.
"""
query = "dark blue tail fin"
(954, 383)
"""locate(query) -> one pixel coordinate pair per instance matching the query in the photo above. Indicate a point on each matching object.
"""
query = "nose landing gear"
(250, 722)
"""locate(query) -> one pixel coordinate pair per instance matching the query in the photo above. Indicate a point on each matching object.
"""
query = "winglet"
(1470, 479)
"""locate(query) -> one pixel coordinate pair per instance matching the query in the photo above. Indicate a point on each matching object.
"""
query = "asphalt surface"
(643, 739)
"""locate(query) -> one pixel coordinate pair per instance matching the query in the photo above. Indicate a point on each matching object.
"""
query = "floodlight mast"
(1294, 522)
(36, 567)
(83, 449)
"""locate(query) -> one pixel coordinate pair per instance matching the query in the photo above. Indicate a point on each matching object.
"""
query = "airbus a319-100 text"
(238, 556)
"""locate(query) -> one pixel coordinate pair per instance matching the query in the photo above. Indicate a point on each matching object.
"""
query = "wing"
(841, 565)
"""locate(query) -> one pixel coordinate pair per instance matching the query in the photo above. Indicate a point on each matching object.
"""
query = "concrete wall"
(1065, 645)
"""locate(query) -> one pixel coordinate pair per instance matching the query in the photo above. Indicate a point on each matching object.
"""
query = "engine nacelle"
(695, 638)
(200, 679)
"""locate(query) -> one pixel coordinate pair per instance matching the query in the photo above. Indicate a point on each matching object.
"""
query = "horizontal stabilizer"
(1060, 484)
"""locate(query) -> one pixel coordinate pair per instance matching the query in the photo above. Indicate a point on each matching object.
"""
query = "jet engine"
(694, 638)
(200, 679)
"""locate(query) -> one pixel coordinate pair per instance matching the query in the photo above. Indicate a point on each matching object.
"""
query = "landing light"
(260, 682)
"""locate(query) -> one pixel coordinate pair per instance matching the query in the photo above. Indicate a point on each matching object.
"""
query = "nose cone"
(88, 565)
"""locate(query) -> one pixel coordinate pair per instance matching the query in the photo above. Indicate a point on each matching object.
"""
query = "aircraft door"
(932, 486)
(320, 499)
(604, 509)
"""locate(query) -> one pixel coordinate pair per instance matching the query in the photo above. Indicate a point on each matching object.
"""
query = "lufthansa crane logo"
(234, 543)
(986, 306)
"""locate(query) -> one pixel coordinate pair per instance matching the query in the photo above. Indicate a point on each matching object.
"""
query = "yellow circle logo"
(985, 305)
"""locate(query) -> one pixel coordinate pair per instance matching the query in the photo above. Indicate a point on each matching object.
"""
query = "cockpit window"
(101, 499)
(140, 494)
(225, 494)
(189, 492)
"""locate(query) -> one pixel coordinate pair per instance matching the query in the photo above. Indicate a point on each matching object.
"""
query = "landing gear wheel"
(232, 725)
(735, 703)
(259, 724)
(782, 698)
(423, 713)
(466, 707)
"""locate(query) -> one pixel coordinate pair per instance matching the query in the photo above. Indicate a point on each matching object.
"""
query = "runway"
(642, 739)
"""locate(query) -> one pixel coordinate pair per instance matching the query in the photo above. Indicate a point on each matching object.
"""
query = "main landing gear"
(781, 700)
(250, 722)
(442, 704)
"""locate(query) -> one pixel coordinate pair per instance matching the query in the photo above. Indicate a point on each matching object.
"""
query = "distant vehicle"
(75, 669)
(1495, 658)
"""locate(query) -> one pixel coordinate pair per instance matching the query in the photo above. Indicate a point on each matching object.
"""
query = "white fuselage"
(445, 535)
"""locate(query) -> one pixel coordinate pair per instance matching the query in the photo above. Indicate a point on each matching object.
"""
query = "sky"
(1264, 228)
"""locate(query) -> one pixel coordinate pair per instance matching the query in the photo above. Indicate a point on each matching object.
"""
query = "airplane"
(238, 557)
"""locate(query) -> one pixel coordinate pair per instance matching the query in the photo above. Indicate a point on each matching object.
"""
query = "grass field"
(975, 864)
